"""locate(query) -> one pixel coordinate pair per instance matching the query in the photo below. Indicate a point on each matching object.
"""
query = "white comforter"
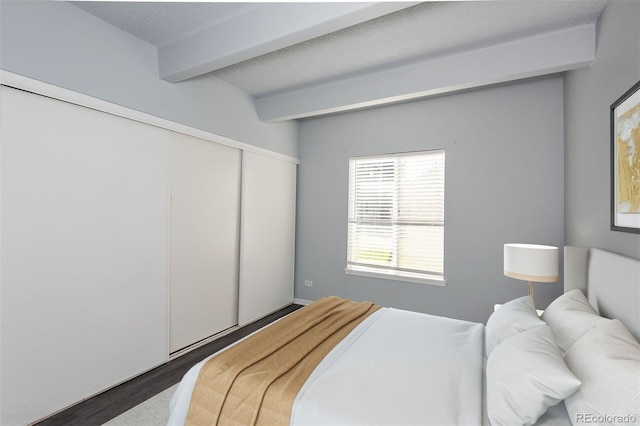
(397, 367)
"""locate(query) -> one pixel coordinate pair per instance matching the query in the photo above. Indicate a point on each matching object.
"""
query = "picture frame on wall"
(625, 162)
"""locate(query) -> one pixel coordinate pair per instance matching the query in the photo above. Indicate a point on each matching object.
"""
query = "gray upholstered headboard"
(610, 281)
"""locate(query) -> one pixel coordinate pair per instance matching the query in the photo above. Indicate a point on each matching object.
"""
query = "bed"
(580, 361)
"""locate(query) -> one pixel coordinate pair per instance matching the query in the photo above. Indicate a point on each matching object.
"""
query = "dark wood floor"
(113, 402)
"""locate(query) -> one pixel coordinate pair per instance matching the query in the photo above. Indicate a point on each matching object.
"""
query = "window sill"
(437, 281)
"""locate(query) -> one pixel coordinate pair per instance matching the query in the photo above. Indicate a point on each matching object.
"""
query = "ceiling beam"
(549, 53)
(259, 30)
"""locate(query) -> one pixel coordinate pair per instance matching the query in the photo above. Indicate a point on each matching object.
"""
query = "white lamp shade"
(531, 262)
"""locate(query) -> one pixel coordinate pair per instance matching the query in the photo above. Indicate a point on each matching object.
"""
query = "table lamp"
(532, 263)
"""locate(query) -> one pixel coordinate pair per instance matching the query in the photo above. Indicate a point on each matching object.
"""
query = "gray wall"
(504, 183)
(589, 94)
(60, 44)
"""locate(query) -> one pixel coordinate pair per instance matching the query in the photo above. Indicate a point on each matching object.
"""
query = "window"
(396, 217)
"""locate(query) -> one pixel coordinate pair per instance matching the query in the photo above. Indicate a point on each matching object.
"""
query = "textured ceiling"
(160, 23)
(415, 34)
(430, 29)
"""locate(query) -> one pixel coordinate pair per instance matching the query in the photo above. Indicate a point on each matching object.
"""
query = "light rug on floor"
(152, 412)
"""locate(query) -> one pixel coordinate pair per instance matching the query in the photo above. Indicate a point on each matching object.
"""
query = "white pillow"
(512, 318)
(525, 376)
(570, 316)
(607, 361)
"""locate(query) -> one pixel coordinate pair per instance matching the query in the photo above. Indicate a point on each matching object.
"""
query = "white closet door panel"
(267, 236)
(205, 229)
(84, 252)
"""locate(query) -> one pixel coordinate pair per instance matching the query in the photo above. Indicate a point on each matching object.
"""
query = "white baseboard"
(302, 302)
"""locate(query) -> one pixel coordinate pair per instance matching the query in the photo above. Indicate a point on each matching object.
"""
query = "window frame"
(392, 273)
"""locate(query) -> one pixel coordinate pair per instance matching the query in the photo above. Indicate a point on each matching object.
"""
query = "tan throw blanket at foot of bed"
(257, 380)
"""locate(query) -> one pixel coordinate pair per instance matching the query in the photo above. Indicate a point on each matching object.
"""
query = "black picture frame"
(625, 171)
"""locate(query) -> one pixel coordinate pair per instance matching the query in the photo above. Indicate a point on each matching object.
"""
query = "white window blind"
(396, 215)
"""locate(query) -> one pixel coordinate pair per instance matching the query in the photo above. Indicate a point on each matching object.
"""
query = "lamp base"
(531, 291)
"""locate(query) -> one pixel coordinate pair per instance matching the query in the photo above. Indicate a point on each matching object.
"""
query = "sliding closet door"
(267, 236)
(205, 229)
(84, 252)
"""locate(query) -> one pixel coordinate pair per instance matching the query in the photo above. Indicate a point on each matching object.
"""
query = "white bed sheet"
(435, 379)
(398, 367)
